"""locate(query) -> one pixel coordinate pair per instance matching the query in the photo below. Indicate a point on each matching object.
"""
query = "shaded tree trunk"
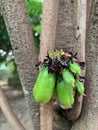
(22, 41)
(89, 118)
(66, 39)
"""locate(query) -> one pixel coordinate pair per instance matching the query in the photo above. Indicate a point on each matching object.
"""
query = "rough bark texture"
(71, 37)
(68, 25)
(20, 32)
(74, 113)
(89, 118)
(65, 39)
(89, 5)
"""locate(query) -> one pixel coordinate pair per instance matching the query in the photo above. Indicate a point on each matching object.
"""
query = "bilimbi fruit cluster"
(59, 78)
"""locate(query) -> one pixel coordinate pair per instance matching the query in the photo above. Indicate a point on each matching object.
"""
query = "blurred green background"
(8, 68)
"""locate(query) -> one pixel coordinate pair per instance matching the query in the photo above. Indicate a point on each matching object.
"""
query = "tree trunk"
(89, 118)
(71, 33)
(22, 41)
(66, 40)
(80, 38)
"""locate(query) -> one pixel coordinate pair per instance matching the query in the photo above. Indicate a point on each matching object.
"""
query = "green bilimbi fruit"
(65, 94)
(75, 68)
(80, 87)
(44, 86)
(68, 77)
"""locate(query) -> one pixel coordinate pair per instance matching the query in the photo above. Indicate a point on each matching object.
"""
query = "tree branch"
(9, 114)
(48, 37)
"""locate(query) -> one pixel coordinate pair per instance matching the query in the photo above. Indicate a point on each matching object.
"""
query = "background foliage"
(8, 68)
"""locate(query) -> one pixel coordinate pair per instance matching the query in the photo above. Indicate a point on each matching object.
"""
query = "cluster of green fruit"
(60, 75)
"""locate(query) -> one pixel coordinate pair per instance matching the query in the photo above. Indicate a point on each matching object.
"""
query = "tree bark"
(66, 27)
(71, 37)
(74, 113)
(49, 27)
(48, 38)
(89, 118)
(22, 41)
(65, 39)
